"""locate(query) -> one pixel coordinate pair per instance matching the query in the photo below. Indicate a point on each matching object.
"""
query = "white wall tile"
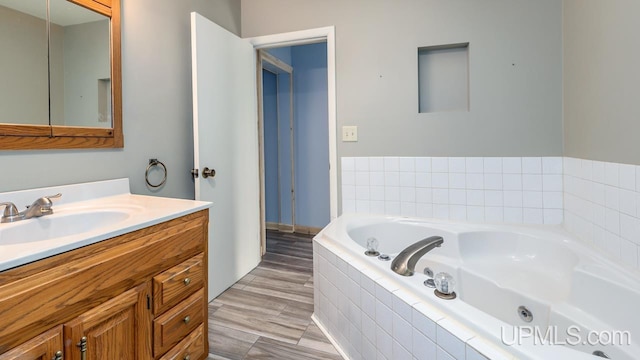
(612, 221)
(475, 197)
(423, 348)
(407, 164)
(362, 178)
(532, 216)
(571, 166)
(494, 214)
(611, 173)
(630, 228)
(475, 214)
(408, 179)
(512, 182)
(513, 198)
(423, 179)
(629, 253)
(376, 163)
(424, 210)
(362, 164)
(456, 165)
(532, 165)
(423, 195)
(457, 180)
(363, 206)
(440, 196)
(402, 332)
(391, 164)
(407, 194)
(551, 182)
(512, 165)
(586, 169)
(493, 181)
(384, 343)
(392, 193)
(612, 197)
(628, 201)
(450, 343)
(552, 200)
(392, 178)
(458, 212)
(493, 198)
(440, 180)
(440, 211)
(376, 178)
(399, 352)
(423, 164)
(475, 181)
(348, 178)
(599, 172)
(362, 192)
(439, 164)
(441, 354)
(532, 182)
(392, 207)
(532, 199)
(474, 165)
(348, 164)
(552, 165)
(627, 174)
(376, 206)
(553, 216)
(407, 209)
(457, 197)
(492, 165)
(513, 215)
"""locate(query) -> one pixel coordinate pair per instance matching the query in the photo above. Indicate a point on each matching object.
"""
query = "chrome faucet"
(42, 206)
(405, 263)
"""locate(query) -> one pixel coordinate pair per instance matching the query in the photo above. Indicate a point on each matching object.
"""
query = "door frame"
(304, 37)
(282, 68)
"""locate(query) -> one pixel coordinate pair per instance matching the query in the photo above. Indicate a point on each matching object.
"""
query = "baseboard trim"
(299, 229)
(329, 337)
(309, 230)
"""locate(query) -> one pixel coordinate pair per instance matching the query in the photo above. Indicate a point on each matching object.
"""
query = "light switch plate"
(349, 133)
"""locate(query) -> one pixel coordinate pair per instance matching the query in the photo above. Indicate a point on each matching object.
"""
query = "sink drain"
(525, 314)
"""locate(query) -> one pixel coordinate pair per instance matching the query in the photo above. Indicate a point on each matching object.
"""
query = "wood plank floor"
(267, 314)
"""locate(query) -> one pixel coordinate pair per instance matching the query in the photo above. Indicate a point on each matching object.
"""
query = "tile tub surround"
(367, 317)
(491, 189)
(602, 206)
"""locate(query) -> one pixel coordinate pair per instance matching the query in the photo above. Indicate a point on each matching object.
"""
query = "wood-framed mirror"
(83, 84)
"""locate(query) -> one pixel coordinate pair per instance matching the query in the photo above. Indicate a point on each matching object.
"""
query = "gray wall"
(601, 77)
(23, 68)
(515, 69)
(156, 62)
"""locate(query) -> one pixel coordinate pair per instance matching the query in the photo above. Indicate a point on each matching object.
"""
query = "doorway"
(293, 111)
(278, 137)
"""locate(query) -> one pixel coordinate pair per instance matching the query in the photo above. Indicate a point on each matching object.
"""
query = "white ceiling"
(63, 13)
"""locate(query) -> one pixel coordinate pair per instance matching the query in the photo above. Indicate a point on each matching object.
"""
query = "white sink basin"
(57, 226)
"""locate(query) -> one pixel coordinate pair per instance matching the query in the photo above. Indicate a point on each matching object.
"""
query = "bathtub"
(580, 300)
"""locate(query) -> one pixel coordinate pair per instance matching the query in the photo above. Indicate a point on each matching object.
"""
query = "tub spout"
(405, 263)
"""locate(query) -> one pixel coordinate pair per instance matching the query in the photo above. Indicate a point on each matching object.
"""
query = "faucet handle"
(10, 213)
(56, 196)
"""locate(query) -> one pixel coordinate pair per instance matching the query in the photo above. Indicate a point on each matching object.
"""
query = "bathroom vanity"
(141, 294)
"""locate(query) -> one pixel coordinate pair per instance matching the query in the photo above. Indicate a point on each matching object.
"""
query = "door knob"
(206, 172)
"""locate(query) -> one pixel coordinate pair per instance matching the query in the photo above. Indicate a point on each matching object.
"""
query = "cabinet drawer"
(177, 322)
(190, 348)
(177, 283)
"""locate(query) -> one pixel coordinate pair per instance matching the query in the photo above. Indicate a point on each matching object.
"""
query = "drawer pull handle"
(187, 357)
(187, 281)
(57, 355)
(83, 348)
(187, 319)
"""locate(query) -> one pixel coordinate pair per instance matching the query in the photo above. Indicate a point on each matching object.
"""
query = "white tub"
(574, 293)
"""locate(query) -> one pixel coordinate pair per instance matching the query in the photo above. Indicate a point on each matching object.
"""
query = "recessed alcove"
(443, 78)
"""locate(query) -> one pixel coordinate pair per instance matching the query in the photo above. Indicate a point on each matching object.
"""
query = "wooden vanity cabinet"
(141, 295)
(46, 346)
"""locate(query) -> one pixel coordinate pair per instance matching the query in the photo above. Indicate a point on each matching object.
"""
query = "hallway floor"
(267, 314)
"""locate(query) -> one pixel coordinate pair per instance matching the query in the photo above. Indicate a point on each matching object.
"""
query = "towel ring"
(152, 163)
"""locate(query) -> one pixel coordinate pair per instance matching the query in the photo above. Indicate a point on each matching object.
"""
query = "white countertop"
(137, 212)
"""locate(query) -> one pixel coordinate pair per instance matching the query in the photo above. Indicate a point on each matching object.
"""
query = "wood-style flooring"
(267, 314)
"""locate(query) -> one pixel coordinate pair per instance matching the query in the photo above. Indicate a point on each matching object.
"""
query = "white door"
(225, 131)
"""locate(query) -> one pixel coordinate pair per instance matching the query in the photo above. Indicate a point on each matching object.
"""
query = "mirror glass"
(73, 88)
(24, 89)
(80, 71)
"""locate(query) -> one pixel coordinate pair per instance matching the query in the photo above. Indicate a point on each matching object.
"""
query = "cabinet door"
(117, 329)
(42, 347)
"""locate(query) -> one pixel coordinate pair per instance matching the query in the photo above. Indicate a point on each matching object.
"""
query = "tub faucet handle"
(445, 285)
(372, 247)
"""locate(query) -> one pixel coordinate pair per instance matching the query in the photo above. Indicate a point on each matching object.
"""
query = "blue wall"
(311, 136)
(270, 109)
